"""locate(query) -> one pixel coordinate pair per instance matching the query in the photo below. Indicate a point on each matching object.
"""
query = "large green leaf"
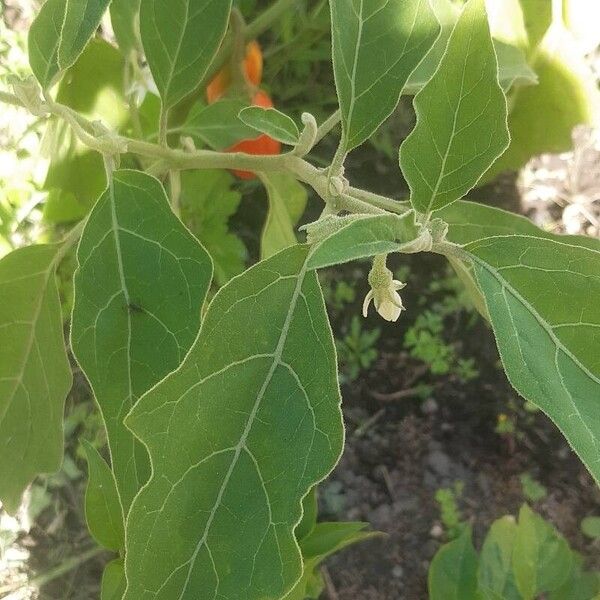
(237, 437)
(542, 559)
(59, 34)
(35, 375)
(495, 574)
(207, 203)
(139, 288)
(287, 201)
(181, 38)
(461, 118)
(376, 46)
(541, 295)
(453, 571)
(103, 512)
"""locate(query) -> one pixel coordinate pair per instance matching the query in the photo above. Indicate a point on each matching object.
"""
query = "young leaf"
(139, 289)
(495, 575)
(124, 16)
(180, 39)
(207, 203)
(461, 118)
(376, 46)
(113, 581)
(309, 515)
(541, 297)
(542, 559)
(217, 125)
(103, 511)
(59, 34)
(453, 570)
(35, 375)
(287, 201)
(350, 238)
(272, 122)
(237, 435)
(581, 584)
(328, 538)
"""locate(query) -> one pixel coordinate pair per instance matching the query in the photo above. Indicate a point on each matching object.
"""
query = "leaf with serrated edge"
(35, 375)
(376, 46)
(272, 122)
(237, 435)
(542, 296)
(139, 288)
(461, 118)
(59, 35)
(258, 418)
(181, 38)
(103, 511)
(287, 201)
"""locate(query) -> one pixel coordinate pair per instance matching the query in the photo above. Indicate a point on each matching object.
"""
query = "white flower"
(387, 300)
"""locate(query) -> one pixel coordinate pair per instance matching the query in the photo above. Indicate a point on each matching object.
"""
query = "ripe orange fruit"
(253, 68)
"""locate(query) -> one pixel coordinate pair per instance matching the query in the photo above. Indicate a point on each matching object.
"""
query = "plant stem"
(328, 125)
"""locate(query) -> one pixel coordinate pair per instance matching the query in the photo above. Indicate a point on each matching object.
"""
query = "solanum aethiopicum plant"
(222, 416)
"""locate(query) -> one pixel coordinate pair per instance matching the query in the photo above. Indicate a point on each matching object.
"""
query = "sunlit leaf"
(376, 46)
(461, 118)
(35, 375)
(139, 289)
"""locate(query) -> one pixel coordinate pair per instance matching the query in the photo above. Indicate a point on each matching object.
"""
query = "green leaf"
(581, 584)
(113, 580)
(590, 526)
(259, 419)
(139, 289)
(180, 39)
(59, 35)
(453, 570)
(376, 46)
(540, 295)
(124, 16)
(287, 202)
(495, 575)
(309, 515)
(217, 125)
(461, 118)
(103, 511)
(272, 122)
(354, 237)
(207, 203)
(542, 559)
(35, 375)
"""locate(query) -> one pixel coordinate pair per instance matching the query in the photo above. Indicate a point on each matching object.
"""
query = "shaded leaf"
(376, 46)
(260, 423)
(35, 375)
(287, 202)
(103, 512)
(113, 580)
(461, 118)
(590, 526)
(124, 16)
(453, 570)
(207, 203)
(540, 295)
(59, 35)
(581, 584)
(180, 39)
(139, 288)
(272, 122)
(309, 515)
